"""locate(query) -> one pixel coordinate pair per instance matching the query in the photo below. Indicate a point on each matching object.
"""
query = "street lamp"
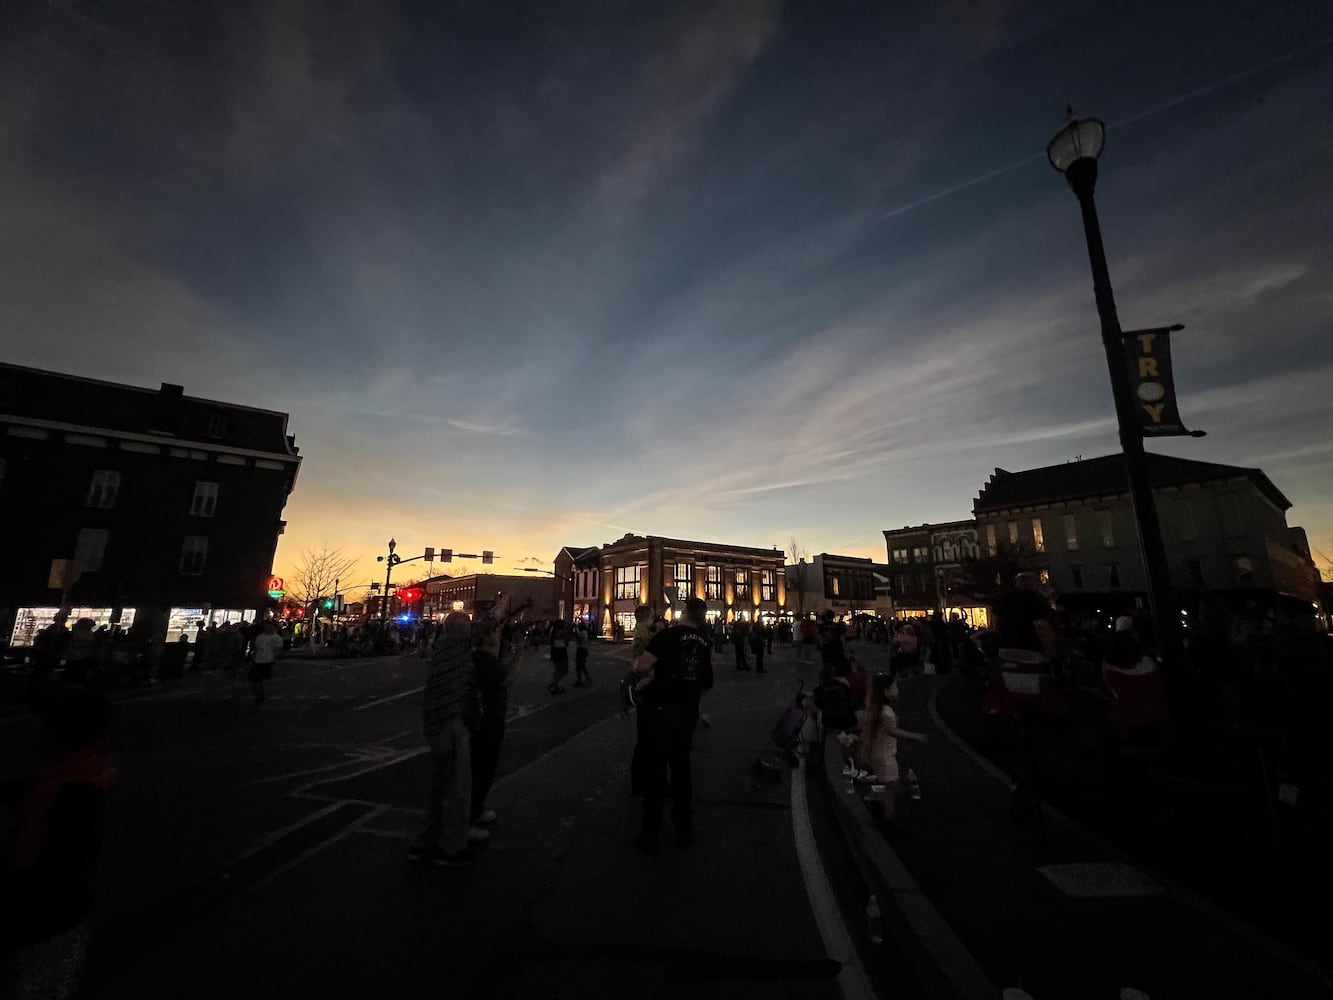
(1074, 151)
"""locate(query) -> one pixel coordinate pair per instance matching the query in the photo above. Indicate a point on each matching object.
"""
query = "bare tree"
(316, 573)
(798, 575)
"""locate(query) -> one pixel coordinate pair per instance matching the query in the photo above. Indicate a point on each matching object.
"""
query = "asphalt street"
(258, 850)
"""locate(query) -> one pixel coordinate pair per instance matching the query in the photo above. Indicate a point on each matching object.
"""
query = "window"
(1013, 532)
(1113, 575)
(194, 553)
(900, 555)
(920, 553)
(1038, 539)
(1229, 507)
(713, 585)
(1108, 530)
(205, 500)
(1196, 572)
(1044, 575)
(767, 588)
(901, 580)
(684, 581)
(991, 547)
(103, 489)
(627, 583)
(835, 585)
(1071, 533)
(742, 584)
(217, 425)
(1244, 571)
(1076, 575)
(90, 548)
(923, 583)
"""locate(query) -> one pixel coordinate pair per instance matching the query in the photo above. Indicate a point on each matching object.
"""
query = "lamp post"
(1074, 151)
(390, 561)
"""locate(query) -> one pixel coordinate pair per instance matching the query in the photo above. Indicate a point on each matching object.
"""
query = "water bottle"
(874, 921)
(913, 786)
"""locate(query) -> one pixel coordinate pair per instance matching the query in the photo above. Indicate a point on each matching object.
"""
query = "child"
(880, 736)
(581, 676)
(48, 884)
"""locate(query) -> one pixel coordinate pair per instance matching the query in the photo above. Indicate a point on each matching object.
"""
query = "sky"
(528, 275)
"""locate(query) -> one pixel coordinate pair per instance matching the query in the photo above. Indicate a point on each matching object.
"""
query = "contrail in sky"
(1157, 110)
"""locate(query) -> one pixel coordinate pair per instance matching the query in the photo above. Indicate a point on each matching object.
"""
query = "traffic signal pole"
(446, 555)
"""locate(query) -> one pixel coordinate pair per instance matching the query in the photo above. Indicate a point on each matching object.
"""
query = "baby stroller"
(784, 741)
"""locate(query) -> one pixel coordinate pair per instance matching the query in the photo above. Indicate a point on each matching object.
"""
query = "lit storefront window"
(30, 621)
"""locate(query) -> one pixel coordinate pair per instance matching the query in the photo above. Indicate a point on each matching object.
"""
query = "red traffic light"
(409, 595)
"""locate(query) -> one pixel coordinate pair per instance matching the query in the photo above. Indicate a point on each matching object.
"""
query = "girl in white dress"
(881, 734)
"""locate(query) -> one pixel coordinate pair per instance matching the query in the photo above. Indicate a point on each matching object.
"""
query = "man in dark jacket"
(679, 662)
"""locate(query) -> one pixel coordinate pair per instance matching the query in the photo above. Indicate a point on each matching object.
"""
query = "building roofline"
(960, 524)
(640, 540)
(139, 388)
(1197, 472)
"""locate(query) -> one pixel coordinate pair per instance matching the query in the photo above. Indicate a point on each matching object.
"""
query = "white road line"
(837, 942)
(379, 766)
(310, 852)
(392, 697)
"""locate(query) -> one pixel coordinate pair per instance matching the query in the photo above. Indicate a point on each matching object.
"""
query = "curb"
(940, 960)
(1204, 907)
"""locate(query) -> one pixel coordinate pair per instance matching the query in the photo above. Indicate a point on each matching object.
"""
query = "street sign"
(275, 583)
(487, 557)
(429, 554)
(446, 555)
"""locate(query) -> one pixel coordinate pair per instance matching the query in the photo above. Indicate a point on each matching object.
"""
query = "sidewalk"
(1070, 918)
(559, 905)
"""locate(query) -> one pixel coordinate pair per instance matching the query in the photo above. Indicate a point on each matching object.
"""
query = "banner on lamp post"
(1148, 361)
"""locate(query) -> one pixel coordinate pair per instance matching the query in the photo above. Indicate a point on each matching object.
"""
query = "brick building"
(1224, 527)
(170, 504)
(845, 585)
(477, 593)
(923, 561)
(739, 583)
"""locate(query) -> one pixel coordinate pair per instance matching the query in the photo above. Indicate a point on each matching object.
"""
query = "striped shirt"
(450, 684)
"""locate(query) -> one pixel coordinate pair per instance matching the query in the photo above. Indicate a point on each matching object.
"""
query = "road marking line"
(314, 849)
(392, 697)
(389, 762)
(832, 928)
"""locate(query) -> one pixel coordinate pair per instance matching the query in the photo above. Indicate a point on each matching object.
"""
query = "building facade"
(171, 506)
(737, 582)
(578, 581)
(478, 593)
(845, 585)
(923, 563)
(1224, 528)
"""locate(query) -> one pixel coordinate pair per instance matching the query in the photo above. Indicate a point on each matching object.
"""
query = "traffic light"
(446, 555)
(409, 595)
(487, 557)
(328, 604)
(429, 554)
